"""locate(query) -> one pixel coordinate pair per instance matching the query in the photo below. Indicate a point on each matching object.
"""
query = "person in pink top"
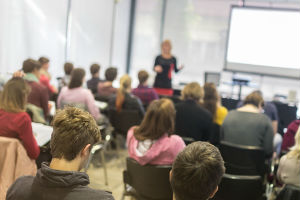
(152, 142)
(76, 95)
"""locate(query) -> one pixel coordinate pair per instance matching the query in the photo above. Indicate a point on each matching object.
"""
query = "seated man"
(74, 134)
(197, 171)
(105, 88)
(143, 91)
(39, 93)
(92, 84)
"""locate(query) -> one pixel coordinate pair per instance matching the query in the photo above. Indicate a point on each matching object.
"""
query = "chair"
(243, 160)
(234, 187)
(124, 120)
(147, 182)
(215, 134)
(289, 192)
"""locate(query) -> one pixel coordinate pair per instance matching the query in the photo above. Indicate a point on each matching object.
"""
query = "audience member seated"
(14, 121)
(39, 93)
(92, 84)
(74, 134)
(289, 137)
(78, 96)
(152, 142)
(197, 171)
(192, 120)
(248, 126)
(143, 91)
(65, 80)
(106, 89)
(289, 165)
(45, 76)
(124, 99)
(212, 103)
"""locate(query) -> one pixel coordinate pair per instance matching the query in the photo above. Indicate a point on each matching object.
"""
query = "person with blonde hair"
(192, 120)
(153, 141)
(124, 99)
(14, 121)
(289, 170)
(164, 65)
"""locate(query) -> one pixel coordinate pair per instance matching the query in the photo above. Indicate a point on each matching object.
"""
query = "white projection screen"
(264, 41)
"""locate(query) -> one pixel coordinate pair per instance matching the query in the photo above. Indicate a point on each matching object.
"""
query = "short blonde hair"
(192, 91)
(295, 150)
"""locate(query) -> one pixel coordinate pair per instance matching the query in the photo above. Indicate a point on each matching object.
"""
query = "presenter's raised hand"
(158, 69)
(180, 67)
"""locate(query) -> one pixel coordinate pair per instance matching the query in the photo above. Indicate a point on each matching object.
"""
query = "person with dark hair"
(211, 102)
(197, 171)
(78, 96)
(124, 99)
(92, 84)
(39, 94)
(153, 141)
(248, 126)
(14, 121)
(192, 120)
(105, 88)
(45, 76)
(74, 134)
(143, 91)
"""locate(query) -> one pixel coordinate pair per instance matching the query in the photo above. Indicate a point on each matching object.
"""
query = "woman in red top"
(14, 121)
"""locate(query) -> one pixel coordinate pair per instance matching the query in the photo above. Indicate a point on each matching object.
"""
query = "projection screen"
(264, 41)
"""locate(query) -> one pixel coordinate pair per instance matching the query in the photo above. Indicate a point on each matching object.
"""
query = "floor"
(115, 164)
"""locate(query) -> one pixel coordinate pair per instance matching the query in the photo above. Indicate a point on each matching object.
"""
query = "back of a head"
(143, 76)
(125, 84)
(13, 98)
(77, 77)
(68, 67)
(111, 73)
(43, 60)
(192, 91)
(94, 69)
(295, 150)
(73, 129)
(31, 65)
(210, 99)
(197, 171)
(158, 120)
(254, 99)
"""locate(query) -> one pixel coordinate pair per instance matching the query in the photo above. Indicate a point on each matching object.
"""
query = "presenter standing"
(164, 65)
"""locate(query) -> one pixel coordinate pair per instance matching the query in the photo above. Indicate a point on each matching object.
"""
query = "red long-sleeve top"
(18, 125)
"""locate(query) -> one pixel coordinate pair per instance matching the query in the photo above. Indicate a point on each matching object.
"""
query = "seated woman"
(289, 170)
(152, 142)
(78, 96)
(14, 121)
(124, 99)
(212, 103)
(45, 76)
(192, 120)
(248, 126)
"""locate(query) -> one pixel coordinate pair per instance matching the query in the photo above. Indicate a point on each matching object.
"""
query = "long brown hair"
(125, 83)
(159, 119)
(13, 98)
(77, 76)
(211, 98)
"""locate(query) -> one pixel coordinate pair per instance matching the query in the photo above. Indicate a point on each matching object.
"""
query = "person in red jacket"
(14, 121)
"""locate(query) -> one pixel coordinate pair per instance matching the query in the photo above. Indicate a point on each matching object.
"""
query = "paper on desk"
(100, 104)
(42, 133)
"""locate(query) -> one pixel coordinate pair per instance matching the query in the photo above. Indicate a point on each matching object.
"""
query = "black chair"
(289, 192)
(243, 160)
(215, 134)
(124, 120)
(147, 182)
(234, 187)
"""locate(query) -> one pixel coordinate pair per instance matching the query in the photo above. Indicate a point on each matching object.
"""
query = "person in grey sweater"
(74, 133)
(248, 126)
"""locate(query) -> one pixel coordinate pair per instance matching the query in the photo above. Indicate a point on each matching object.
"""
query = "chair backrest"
(215, 134)
(234, 187)
(289, 192)
(243, 160)
(149, 181)
(124, 120)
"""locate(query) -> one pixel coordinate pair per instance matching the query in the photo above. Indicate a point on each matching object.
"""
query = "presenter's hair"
(159, 120)
(197, 171)
(73, 129)
(77, 76)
